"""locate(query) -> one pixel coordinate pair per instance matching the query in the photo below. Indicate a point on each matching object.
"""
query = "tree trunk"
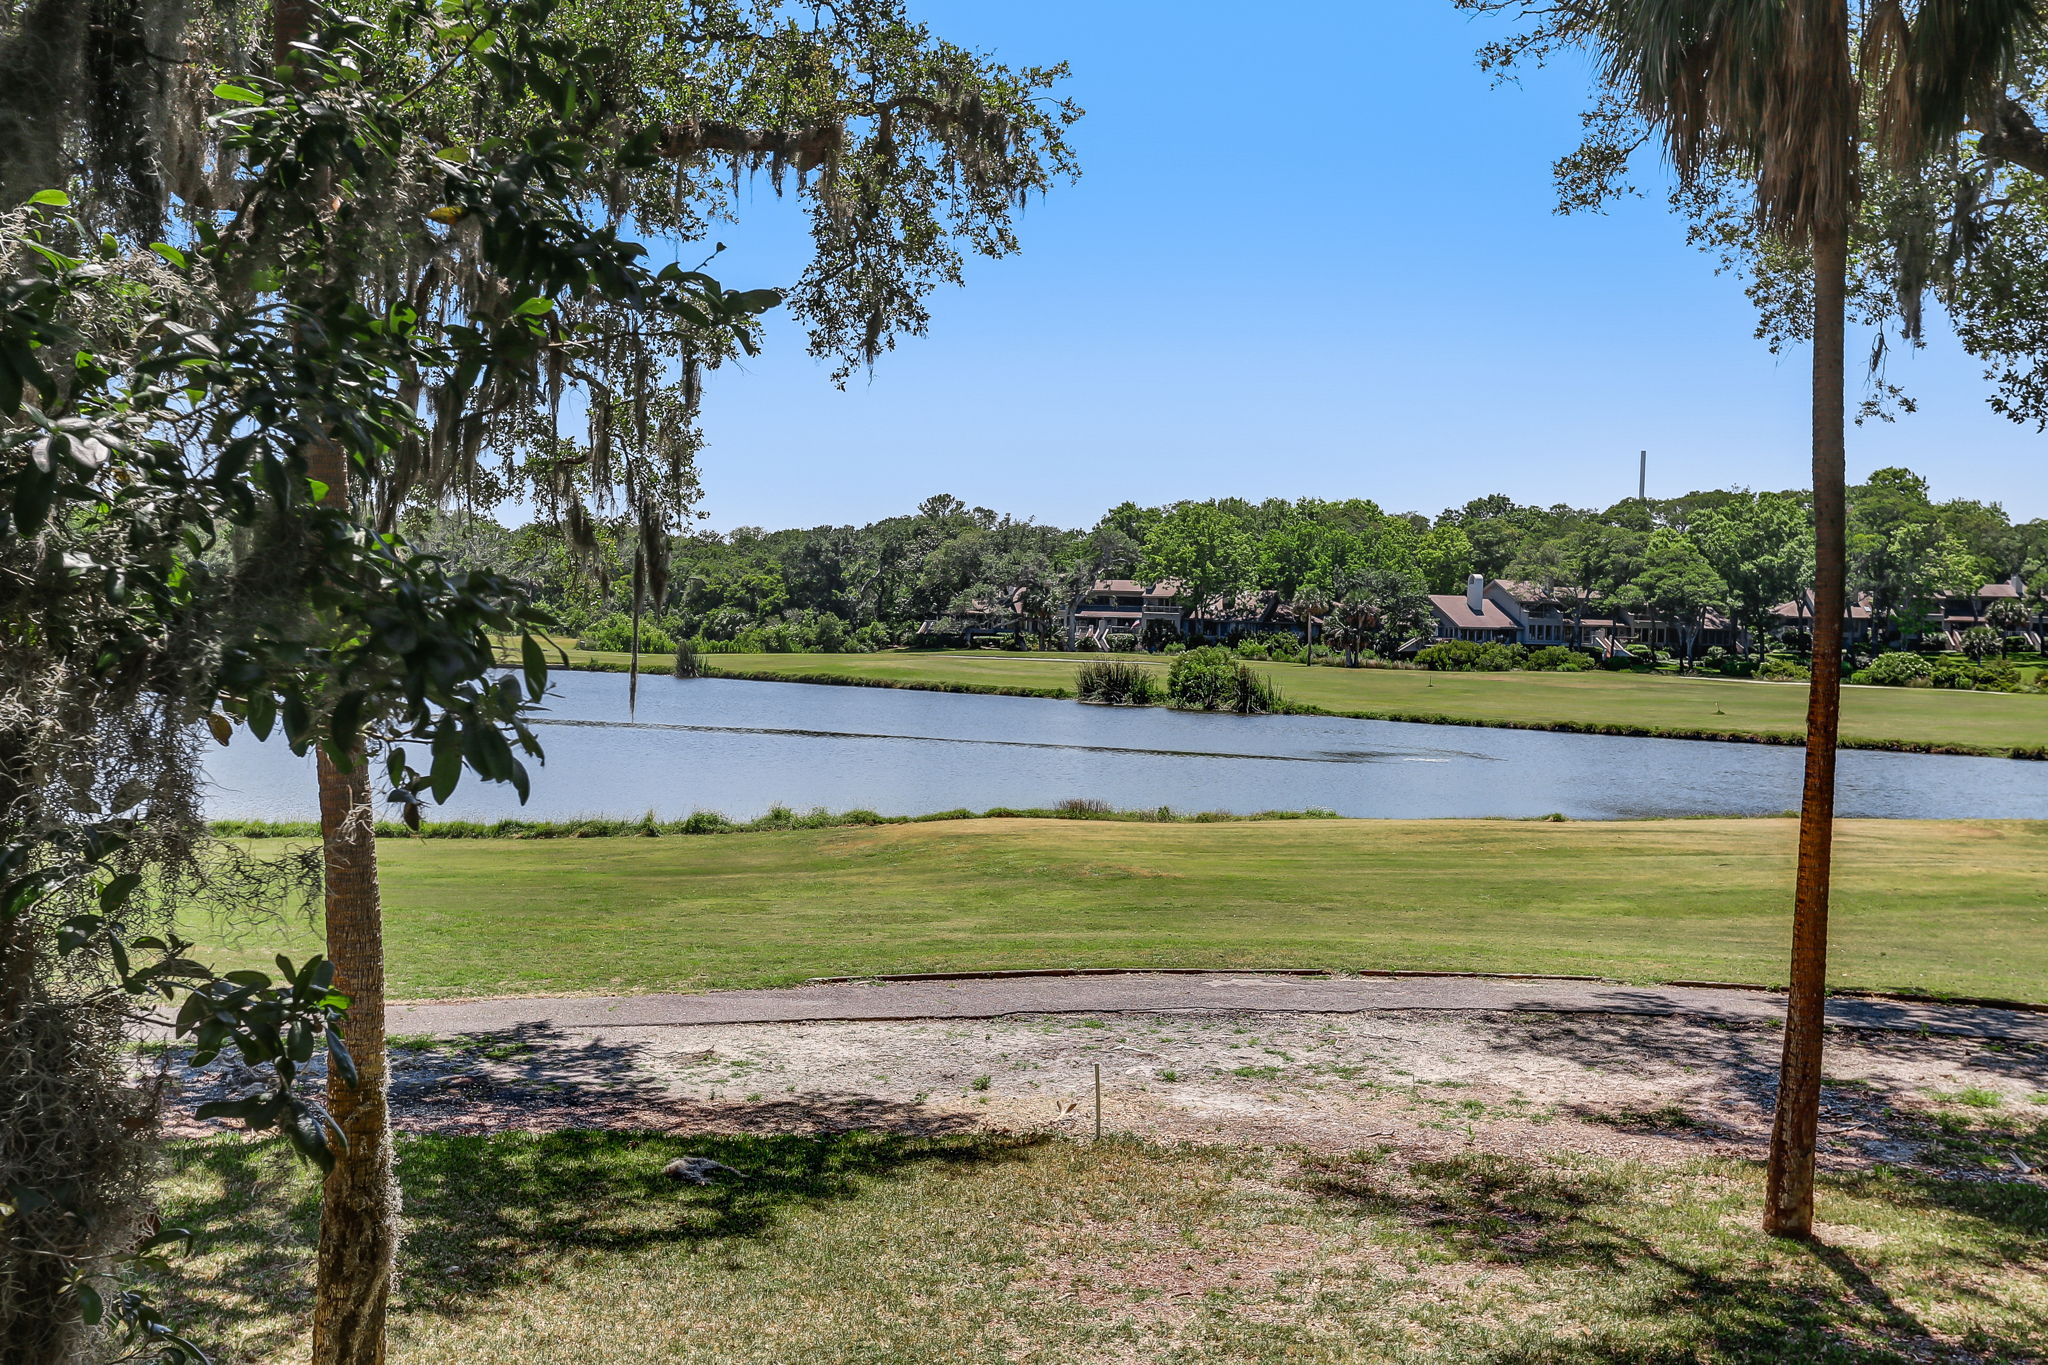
(359, 1201)
(1788, 1210)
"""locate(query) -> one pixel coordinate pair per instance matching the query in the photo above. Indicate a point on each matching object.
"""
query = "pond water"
(742, 747)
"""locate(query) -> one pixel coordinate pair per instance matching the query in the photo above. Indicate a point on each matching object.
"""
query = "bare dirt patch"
(1423, 1082)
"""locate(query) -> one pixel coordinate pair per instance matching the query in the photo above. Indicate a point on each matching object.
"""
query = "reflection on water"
(1326, 756)
(741, 747)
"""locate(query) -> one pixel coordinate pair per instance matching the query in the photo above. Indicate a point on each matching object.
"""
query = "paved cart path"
(985, 998)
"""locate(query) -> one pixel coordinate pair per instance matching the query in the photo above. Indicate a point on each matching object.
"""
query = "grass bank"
(778, 818)
(1952, 907)
(1889, 718)
(982, 1248)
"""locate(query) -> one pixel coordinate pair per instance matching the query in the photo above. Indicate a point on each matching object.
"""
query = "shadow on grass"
(500, 1210)
(1677, 1298)
(489, 1213)
(540, 1078)
(1730, 1086)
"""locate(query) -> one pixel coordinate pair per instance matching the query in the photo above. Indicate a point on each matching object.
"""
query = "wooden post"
(1098, 1101)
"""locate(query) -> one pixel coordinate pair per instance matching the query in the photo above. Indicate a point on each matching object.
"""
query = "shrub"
(1174, 647)
(1779, 669)
(1277, 645)
(1201, 678)
(689, 659)
(1470, 656)
(1558, 659)
(1117, 682)
(1990, 675)
(1122, 642)
(1896, 669)
(613, 634)
(1209, 679)
(870, 638)
(1719, 660)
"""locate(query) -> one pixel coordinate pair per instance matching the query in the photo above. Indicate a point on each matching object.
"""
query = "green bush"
(1719, 660)
(1780, 669)
(1209, 679)
(1276, 645)
(1122, 642)
(1117, 682)
(1965, 675)
(1470, 656)
(1174, 647)
(1897, 669)
(613, 634)
(1558, 659)
(689, 659)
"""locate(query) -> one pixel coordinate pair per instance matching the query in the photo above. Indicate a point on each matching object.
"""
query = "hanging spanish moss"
(110, 97)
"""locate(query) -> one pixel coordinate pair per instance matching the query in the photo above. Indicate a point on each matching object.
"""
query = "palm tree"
(1771, 88)
(1311, 605)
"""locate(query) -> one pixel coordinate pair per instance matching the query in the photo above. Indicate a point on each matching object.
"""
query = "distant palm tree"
(2007, 616)
(1771, 87)
(1310, 606)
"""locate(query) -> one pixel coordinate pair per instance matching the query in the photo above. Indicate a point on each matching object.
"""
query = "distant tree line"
(1361, 571)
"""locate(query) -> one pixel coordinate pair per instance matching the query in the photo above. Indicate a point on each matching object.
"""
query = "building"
(1954, 615)
(1561, 616)
(1475, 615)
(1123, 606)
(1517, 612)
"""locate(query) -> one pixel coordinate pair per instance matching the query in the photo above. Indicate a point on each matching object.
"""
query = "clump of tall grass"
(689, 659)
(1117, 682)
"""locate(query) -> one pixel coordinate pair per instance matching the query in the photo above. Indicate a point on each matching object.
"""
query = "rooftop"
(1459, 612)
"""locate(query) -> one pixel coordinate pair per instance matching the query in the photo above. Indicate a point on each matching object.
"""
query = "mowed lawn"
(1992, 720)
(1951, 906)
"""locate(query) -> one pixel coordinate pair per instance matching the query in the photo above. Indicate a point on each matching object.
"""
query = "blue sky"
(1312, 253)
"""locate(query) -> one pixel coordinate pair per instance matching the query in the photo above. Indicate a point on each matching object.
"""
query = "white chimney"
(1475, 593)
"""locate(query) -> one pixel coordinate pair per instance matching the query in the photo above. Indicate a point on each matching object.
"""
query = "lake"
(741, 747)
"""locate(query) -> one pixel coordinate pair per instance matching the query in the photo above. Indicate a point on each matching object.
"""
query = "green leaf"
(118, 890)
(240, 94)
(169, 253)
(54, 198)
(90, 1306)
(535, 307)
(535, 662)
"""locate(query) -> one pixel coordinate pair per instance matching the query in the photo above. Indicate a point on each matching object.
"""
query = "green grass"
(1954, 907)
(863, 1248)
(1872, 717)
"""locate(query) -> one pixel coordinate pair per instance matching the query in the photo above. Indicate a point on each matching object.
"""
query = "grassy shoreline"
(1947, 908)
(1893, 720)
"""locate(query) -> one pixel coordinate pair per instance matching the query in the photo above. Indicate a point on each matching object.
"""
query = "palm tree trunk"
(1788, 1210)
